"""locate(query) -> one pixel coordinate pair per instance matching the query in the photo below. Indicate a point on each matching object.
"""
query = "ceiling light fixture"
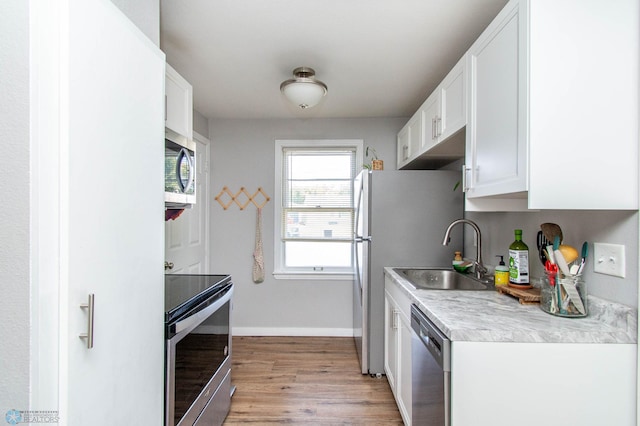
(304, 90)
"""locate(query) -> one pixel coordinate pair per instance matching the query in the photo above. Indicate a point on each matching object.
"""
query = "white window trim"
(279, 272)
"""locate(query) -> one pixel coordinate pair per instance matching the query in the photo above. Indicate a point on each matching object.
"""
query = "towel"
(258, 259)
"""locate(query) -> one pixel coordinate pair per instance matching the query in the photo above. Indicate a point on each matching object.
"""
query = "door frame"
(205, 198)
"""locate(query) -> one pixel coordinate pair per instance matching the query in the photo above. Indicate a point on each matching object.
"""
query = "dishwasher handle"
(438, 345)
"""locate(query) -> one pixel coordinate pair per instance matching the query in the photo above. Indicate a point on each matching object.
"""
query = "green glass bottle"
(519, 261)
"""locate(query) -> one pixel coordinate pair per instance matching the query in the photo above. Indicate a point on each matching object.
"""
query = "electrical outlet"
(609, 259)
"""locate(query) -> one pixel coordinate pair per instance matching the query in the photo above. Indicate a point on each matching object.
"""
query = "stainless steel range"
(198, 349)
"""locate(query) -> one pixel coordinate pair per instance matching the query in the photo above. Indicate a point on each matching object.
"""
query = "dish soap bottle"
(519, 261)
(501, 275)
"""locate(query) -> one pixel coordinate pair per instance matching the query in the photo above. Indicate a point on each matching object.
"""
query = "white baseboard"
(314, 332)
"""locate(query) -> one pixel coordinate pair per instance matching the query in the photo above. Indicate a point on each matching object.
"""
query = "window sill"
(324, 276)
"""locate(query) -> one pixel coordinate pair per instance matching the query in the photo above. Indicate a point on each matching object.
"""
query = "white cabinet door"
(491, 386)
(583, 110)
(496, 145)
(430, 112)
(101, 86)
(390, 340)
(409, 140)
(453, 102)
(179, 103)
(398, 347)
(404, 367)
(402, 147)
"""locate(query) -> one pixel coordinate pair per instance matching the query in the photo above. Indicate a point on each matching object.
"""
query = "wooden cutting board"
(529, 296)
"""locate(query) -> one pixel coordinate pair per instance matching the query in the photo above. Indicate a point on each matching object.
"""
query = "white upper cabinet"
(496, 140)
(409, 140)
(453, 102)
(439, 118)
(583, 104)
(178, 103)
(553, 107)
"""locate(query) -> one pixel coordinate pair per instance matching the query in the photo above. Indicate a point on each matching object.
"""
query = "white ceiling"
(379, 58)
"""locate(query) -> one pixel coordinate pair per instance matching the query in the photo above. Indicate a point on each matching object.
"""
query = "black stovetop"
(183, 292)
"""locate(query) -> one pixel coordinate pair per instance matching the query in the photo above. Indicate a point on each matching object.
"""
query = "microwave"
(179, 171)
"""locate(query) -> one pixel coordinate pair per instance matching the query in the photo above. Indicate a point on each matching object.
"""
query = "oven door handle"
(192, 321)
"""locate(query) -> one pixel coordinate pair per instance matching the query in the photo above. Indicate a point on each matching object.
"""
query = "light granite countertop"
(488, 316)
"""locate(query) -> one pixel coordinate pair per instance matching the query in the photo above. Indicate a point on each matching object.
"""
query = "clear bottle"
(518, 261)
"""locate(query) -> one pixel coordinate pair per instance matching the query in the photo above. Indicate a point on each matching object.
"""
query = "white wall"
(243, 154)
(14, 215)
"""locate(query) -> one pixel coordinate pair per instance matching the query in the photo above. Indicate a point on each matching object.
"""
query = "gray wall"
(243, 155)
(145, 14)
(200, 124)
(616, 227)
(14, 216)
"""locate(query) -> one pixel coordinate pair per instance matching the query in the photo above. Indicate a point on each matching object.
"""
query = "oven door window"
(198, 356)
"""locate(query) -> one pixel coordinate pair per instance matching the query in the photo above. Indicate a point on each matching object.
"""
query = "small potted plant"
(375, 164)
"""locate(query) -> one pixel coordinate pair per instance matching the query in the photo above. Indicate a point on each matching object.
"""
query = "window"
(314, 207)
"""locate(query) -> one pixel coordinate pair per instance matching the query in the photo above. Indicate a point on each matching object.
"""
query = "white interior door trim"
(206, 198)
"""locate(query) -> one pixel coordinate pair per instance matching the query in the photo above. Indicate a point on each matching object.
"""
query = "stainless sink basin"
(442, 279)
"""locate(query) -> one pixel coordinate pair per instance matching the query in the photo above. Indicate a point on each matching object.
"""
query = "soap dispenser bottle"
(501, 275)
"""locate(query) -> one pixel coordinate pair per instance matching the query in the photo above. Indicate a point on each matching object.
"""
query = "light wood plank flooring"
(305, 380)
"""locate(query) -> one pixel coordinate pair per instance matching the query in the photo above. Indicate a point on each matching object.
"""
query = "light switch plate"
(609, 259)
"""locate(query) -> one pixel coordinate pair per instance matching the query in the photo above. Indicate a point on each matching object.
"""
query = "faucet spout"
(480, 270)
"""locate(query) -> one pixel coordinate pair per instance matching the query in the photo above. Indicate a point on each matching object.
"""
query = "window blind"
(317, 194)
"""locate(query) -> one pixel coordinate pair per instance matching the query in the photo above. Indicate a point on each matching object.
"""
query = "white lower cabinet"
(532, 384)
(397, 347)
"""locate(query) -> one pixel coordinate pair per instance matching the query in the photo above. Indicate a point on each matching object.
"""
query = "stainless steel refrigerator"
(401, 217)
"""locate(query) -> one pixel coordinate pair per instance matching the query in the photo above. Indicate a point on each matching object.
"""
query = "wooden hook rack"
(242, 198)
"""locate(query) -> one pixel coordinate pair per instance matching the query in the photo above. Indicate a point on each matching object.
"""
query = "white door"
(186, 237)
(100, 82)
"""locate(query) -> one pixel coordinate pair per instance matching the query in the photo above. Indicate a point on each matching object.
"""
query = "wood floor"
(305, 380)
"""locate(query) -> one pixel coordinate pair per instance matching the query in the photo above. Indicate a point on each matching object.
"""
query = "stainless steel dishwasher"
(430, 372)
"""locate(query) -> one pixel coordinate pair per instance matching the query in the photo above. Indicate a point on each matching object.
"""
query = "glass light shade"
(304, 90)
(304, 94)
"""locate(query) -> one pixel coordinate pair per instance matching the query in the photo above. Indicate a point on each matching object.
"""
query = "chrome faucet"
(479, 268)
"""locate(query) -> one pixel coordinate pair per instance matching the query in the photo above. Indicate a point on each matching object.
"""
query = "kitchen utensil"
(573, 295)
(551, 231)
(560, 261)
(552, 271)
(542, 243)
(550, 255)
(585, 253)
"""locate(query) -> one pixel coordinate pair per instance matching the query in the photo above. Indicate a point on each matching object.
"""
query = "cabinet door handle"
(438, 126)
(433, 128)
(465, 169)
(89, 306)
(405, 152)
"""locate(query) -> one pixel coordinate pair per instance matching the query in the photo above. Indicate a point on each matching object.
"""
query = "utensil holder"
(564, 295)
